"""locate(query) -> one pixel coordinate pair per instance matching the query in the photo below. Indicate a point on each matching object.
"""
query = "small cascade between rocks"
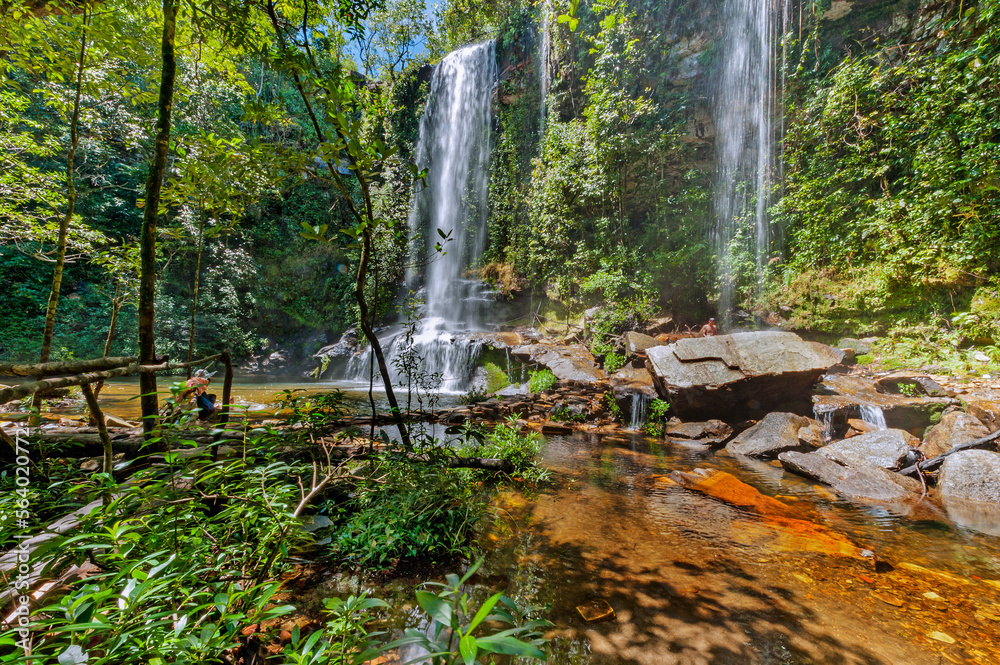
(873, 415)
(640, 408)
(454, 146)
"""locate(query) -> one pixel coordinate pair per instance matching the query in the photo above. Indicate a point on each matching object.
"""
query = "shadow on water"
(694, 580)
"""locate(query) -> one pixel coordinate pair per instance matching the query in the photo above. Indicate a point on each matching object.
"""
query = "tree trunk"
(154, 183)
(102, 430)
(57, 273)
(25, 389)
(366, 328)
(116, 305)
(194, 294)
(64, 368)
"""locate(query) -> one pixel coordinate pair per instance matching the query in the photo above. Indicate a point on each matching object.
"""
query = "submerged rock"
(955, 428)
(569, 363)
(973, 475)
(742, 373)
(776, 433)
(885, 449)
(865, 482)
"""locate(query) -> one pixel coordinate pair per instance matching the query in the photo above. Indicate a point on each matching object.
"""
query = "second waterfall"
(454, 146)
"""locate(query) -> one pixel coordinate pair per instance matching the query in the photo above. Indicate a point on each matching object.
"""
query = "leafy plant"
(657, 417)
(344, 640)
(613, 362)
(459, 633)
(541, 380)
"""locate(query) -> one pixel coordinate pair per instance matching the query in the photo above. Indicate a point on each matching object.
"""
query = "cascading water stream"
(454, 146)
(746, 102)
(543, 63)
(873, 415)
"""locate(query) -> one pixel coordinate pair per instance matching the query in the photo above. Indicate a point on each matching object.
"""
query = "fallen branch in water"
(936, 461)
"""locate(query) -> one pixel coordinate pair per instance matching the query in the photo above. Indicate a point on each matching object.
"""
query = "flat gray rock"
(885, 449)
(955, 428)
(776, 433)
(569, 363)
(744, 372)
(710, 432)
(867, 482)
(973, 475)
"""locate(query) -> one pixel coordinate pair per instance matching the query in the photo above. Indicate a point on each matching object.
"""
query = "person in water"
(709, 329)
(204, 400)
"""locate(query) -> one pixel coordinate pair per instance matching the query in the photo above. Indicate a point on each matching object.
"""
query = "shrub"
(496, 379)
(541, 380)
(656, 417)
(413, 512)
(613, 362)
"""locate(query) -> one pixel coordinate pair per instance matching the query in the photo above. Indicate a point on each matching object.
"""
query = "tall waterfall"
(746, 102)
(454, 146)
(543, 62)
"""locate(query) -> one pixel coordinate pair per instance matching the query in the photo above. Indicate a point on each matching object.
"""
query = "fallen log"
(935, 462)
(25, 389)
(63, 368)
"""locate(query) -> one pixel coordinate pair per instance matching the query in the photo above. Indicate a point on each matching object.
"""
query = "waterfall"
(454, 146)
(746, 102)
(640, 405)
(873, 415)
(543, 64)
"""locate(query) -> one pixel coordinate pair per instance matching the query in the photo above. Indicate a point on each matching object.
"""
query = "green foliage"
(496, 379)
(344, 640)
(613, 362)
(657, 417)
(505, 441)
(541, 380)
(890, 176)
(413, 512)
(564, 413)
(457, 627)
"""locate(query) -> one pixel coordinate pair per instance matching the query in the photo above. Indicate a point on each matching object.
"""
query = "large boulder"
(776, 433)
(738, 375)
(636, 342)
(629, 381)
(569, 363)
(955, 428)
(973, 475)
(885, 449)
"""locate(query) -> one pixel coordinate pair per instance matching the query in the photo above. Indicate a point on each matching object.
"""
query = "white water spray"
(747, 100)
(873, 415)
(454, 146)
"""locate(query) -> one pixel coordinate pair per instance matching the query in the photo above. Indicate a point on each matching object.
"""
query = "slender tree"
(154, 183)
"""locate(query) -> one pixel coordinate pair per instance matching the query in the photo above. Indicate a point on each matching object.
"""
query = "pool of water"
(260, 395)
(694, 580)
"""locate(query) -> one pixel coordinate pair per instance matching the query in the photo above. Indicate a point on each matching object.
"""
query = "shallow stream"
(694, 580)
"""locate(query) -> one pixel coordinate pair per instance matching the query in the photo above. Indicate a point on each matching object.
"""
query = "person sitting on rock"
(709, 329)
(203, 400)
